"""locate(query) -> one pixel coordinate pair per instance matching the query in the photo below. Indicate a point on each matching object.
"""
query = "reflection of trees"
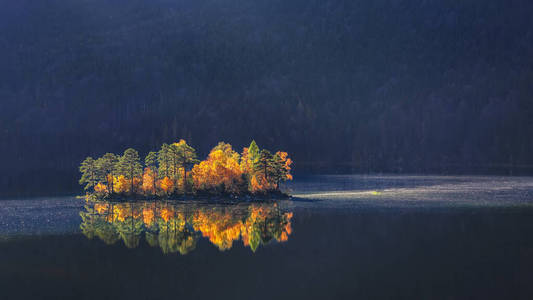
(129, 225)
(95, 224)
(172, 241)
(174, 235)
(177, 227)
(130, 231)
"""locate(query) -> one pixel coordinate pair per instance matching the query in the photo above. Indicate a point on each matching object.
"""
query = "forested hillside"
(344, 86)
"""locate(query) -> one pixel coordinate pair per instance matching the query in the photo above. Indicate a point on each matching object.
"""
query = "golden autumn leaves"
(252, 171)
(174, 170)
(176, 227)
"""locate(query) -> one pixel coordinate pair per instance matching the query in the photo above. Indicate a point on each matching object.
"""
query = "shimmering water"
(341, 237)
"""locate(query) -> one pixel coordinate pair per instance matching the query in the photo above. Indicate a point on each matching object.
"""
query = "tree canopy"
(175, 170)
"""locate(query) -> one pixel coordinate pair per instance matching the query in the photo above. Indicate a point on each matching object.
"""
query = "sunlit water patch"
(413, 191)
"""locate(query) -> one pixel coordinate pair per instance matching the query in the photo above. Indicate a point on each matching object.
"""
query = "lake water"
(341, 237)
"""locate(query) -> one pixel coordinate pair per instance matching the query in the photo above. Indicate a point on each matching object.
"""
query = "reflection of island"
(176, 227)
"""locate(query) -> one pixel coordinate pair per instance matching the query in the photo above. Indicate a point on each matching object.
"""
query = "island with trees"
(175, 172)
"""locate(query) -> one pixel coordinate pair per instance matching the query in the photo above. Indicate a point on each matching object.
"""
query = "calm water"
(341, 237)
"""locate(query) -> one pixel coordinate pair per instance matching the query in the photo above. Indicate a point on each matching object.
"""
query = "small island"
(174, 172)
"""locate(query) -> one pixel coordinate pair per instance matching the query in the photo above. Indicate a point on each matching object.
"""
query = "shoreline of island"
(175, 173)
(199, 197)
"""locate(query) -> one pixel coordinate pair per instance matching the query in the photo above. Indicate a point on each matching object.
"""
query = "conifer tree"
(89, 174)
(151, 162)
(186, 157)
(130, 166)
(264, 165)
(163, 157)
(174, 163)
(253, 153)
(151, 159)
(107, 166)
(279, 171)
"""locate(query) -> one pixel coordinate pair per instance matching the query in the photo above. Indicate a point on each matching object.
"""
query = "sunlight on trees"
(221, 171)
(175, 170)
(166, 185)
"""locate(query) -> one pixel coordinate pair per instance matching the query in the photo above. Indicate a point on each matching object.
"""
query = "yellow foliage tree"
(221, 168)
(148, 185)
(121, 184)
(100, 188)
(166, 185)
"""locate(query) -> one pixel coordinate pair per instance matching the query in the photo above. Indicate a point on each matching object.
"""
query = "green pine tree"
(107, 167)
(265, 165)
(163, 157)
(279, 172)
(186, 157)
(129, 165)
(173, 162)
(89, 173)
(151, 162)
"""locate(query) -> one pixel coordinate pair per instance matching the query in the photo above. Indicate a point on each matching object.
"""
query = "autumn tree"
(221, 169)
(224, 170)
(129, 165)
(281, 166)
(166, 185)
(121, 184)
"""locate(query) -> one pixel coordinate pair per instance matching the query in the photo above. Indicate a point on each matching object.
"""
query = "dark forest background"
(410, 86)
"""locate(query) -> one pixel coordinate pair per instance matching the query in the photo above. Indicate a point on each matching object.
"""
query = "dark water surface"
(342, 237)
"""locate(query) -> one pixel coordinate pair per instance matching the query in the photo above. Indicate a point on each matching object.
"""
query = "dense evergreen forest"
(344, 86)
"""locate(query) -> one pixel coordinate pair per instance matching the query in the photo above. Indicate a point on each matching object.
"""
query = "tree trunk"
(153, 180)
(131, 175)
(175, 173)
(111, 183)
(184, 179)
(92, 179)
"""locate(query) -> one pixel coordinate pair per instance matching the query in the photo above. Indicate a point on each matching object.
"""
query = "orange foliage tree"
(166, 185)
(220, 170)
(100, 188)
(148, 185)
(121, 184)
